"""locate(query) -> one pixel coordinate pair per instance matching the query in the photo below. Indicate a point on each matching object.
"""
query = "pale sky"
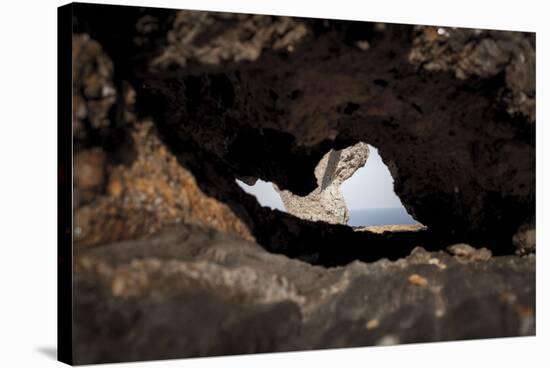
(266, 194)
(370, 187)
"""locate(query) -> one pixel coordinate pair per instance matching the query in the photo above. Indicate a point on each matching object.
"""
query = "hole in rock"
(371, 201)
(264, 192)
(370, 196)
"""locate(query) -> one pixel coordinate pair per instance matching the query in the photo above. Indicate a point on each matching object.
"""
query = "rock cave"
(174, 259)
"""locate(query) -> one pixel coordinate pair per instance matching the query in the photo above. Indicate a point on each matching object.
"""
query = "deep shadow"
(314, 242)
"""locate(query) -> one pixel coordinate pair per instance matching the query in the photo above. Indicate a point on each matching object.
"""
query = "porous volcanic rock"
(326, 202)
(171, 107)
(214, 38)
(191, 291)
(94, 93)
(484, 53)
(462, 164)
(127, 183)
(154, 191)
(458, 139)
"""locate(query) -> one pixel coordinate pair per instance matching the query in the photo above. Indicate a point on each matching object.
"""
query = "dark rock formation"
(462, 165)
(482, 53)
(461, 156)
(214, 38)
(525, 239)
(171, 107)
(154, 191)
(94, 93)
(196, 292)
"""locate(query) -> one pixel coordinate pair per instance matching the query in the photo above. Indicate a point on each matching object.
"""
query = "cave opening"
(368, 194)
(370, 197)
(280, 228)
(265, 193)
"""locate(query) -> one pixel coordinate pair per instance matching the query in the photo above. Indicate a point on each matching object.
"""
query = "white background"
(28, 182)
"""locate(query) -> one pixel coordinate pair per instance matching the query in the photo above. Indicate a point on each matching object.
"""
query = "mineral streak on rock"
(326, 202)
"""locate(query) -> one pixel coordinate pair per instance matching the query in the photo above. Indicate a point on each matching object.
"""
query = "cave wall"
(172, 259)
(452, 112)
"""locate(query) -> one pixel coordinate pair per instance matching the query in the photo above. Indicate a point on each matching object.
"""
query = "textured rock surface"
(525, 240)
(171, 107)
(127, 183)
(214, 38)
(197, 292)
(460, 149)
(462, 165)
(139, 199)
(326, 202)
(93, 90)
(483, 53)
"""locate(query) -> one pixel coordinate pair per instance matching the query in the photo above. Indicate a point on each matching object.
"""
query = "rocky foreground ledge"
(191, 291)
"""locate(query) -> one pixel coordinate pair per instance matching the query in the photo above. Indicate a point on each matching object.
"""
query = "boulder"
(191, 292)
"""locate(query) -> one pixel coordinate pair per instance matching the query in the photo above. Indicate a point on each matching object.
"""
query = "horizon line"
(376, 208)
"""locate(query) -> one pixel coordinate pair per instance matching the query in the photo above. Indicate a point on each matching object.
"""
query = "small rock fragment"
(418, 280)
(90, 174)
(372, 324)
(436, 262)
(525, 239)
(363, 45)
(466, 253)
(388, 340)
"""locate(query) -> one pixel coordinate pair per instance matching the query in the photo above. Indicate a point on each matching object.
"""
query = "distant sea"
(380, 216)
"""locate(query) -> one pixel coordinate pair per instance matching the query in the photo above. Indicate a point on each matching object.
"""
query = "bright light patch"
(264, 192)
(370, 197)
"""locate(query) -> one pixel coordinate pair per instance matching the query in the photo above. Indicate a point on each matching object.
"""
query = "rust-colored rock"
(153, 192)
(90, 175)
(127, 182)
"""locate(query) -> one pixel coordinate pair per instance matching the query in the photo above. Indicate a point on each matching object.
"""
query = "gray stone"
(326, 202)
(191, 291)
(482, 53)
(467, 253)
